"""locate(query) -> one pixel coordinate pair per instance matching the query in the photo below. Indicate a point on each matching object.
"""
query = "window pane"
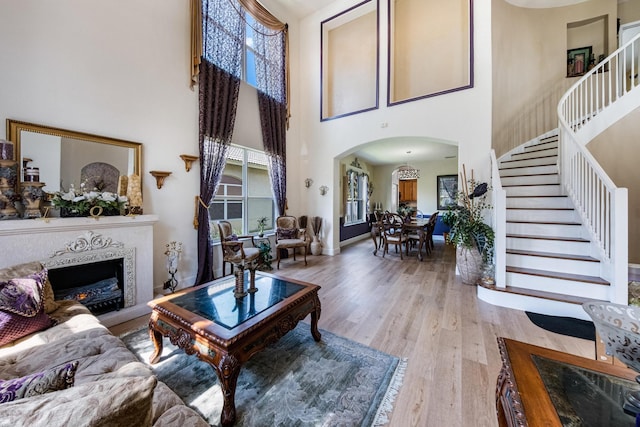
(216, 211)
(250, 70)
(234, 210)
(258, 208)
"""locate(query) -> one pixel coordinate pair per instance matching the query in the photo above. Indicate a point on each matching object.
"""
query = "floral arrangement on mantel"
(80, 202)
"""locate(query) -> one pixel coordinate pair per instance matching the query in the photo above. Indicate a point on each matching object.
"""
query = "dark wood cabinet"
(408, 190)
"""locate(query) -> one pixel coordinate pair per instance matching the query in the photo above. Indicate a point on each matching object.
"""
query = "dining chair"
(234, 252)
(394, 233)
(377, 231)
(290, 236)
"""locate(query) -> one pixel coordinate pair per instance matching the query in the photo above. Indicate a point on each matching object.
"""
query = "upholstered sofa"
(99, 381)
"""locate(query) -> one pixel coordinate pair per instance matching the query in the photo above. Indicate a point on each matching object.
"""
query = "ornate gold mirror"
(66, 157)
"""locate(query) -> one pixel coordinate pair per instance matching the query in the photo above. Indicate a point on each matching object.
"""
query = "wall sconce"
(308, 182)
(323, 190)
(159, 176)
(188, 160)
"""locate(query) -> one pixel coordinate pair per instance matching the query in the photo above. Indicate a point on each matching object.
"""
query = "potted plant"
(468, 232)
(262, 224)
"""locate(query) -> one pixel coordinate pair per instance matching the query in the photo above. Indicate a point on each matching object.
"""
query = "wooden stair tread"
(544, 209)
(571, 299)
(530, 174)
(531, 185)
(535, 150)
(547, 195)
(558, 275)
(560, 238)
(553, 255)
(528, 166)
(529, 158)
(544, 222)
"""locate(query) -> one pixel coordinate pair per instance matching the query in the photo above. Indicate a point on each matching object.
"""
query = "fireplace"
(59, 243)
(99, 285)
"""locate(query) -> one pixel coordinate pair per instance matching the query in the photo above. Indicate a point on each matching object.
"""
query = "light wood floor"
(421, 311)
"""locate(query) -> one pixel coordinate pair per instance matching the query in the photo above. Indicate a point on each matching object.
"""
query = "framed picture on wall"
(578, 61)
(447, 191)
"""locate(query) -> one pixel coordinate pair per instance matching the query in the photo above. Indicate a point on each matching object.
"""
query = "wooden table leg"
(315, 315)
(228, 371)
(156, 339)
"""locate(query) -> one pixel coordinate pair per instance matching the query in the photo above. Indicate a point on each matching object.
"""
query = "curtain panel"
(219, 84)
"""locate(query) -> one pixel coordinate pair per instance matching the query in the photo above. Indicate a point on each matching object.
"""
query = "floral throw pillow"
(22, 309)
(23, 295)
(287, 233)
(57, 378)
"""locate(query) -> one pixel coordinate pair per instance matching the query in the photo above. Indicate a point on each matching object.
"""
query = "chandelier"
(408, 172)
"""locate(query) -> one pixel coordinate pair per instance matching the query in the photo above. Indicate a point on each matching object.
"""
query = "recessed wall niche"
(588, 34)
(349, 61)
(430, 48)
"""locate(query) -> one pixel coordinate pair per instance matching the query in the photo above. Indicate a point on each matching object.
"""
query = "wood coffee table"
(225, 331)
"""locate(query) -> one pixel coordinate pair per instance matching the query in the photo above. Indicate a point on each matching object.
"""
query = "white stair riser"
(538, 152)
(555, 230)
(585, 268)
(532, 304)
(529, 162)
(564, 287)
(542, 215)
(539, 202)
(536, 190)
(545, 245)
(530, 170)
(530, 180)
(543, 145)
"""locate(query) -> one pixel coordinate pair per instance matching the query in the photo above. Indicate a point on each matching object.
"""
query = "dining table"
(419, 226)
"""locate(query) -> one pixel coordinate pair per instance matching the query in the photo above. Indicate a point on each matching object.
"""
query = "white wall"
(121, 69)
(463, 118)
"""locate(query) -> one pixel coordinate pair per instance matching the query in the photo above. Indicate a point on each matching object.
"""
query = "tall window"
(357, 197)
(244, 195)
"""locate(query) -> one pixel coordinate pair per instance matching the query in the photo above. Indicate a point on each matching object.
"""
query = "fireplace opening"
(98, 285)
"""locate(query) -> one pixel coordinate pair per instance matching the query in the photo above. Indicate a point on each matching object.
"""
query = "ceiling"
(397, 151)
(302, 8)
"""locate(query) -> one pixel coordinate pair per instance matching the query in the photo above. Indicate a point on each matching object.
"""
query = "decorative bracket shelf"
(188, 160)
(160, 176)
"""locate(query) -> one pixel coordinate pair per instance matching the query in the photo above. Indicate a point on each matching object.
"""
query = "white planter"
(316, 247)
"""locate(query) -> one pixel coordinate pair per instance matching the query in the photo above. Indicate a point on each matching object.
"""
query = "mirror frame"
(15, 127)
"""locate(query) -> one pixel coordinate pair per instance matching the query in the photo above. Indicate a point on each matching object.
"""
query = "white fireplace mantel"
(40, 240)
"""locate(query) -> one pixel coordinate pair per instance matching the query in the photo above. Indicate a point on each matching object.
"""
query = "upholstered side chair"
(235, 252)
(290, 236)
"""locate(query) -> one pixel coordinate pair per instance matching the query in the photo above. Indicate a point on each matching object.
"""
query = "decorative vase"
(316, 246)
(469, 263)
(32, 196)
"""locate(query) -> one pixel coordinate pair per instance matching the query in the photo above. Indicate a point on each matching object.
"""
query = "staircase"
(548, 252)
(560, 222)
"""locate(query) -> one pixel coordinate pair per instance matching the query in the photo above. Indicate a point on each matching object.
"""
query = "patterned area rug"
(295, 382)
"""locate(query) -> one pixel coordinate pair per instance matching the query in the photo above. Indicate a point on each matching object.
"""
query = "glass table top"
(218, 304)
(583, 397)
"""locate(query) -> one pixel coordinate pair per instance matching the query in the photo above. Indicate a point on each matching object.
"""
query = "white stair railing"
(601, 97)
(499, 224)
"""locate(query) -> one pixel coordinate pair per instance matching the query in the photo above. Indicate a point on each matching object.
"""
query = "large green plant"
(466, 220)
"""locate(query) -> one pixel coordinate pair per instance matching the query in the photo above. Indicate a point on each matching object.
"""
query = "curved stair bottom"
(519, 299)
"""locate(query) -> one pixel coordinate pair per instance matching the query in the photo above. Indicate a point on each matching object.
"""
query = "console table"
(542, 387)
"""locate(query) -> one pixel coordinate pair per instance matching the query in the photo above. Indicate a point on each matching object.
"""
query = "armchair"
(234, 252)
(290, 236)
